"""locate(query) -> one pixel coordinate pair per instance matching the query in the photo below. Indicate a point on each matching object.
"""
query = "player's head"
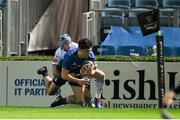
(64, 42)
(85, 46)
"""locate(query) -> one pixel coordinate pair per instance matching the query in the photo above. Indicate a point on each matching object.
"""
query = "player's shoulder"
(72, 52)
(59, 52)
(74, 45)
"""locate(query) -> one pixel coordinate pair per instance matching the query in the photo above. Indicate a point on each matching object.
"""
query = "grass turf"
(80, 113)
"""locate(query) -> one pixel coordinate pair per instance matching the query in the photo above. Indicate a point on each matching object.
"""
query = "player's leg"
(78, 97)
(56, 83)
(52, 85)
(44, 72)
(100, 78)
(87, 97)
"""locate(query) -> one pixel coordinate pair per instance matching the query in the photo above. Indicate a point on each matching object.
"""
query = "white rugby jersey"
(59, 54)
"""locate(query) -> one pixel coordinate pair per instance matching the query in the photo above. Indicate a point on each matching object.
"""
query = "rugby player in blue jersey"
(74, 59)
(53, 84)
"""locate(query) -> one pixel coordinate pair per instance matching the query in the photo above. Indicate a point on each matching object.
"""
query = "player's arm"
(67, 76)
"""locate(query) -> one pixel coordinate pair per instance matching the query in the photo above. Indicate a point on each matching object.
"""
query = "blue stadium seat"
(177, 51)
(171, 3)
(160, 3)
(104, 31)
(108, 21)
(133, 3)
(2, 2)
(107, 50)
(146, 3)
(132, 50)
(119, 3)
(168, 51)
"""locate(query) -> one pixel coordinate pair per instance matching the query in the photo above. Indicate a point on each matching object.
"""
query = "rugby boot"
(43, 71)
(59, 101)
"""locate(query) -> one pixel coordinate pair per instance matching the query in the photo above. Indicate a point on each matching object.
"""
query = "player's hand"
(168, 97)
(84, 82)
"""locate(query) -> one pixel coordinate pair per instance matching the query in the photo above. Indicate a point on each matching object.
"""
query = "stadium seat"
(96, 49)
(132, 21)
(107, 50)
(166, 18)
(146, 3)
(168, 51)
(132, 50)
(160, 3)
(119, 3)
(171, 3)
(169, 14)
(133, 3)
(108, 21)
(2, 2)
(177, 51)
(112, 16)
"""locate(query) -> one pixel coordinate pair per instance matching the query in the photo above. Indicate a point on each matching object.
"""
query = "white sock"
(99, 85)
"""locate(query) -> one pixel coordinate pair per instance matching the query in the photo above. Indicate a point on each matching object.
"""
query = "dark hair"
(84, 44)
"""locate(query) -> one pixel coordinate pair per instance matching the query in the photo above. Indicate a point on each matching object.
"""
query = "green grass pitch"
(80, 113)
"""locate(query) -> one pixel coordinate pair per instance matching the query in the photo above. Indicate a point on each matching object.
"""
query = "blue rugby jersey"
(73, 63)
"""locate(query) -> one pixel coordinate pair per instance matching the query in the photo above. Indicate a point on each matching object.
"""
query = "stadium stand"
(113, 41)
(130, 41)
(132, 50)
(146, 3)
(168, 51)
(177, 51)
(171, 3)
(170, 12)
(107, 50)
(120, 33)
(119, 3)
(2, 2)
(160, 3)
(108, 17)
(166, 17)
(132, 20)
